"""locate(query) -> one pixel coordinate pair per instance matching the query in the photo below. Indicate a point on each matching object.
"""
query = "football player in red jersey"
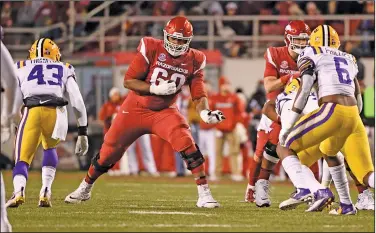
(154, 78)
(280, 68)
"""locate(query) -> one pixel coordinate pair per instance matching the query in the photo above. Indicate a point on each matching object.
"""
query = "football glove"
(82, 145)
(212, 117)
(165, 87)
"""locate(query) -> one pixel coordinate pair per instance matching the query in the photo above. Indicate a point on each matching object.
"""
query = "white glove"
(359, 102)
(82, 145)
(212, 117)
(165, 87)
(287, 126)
(283, 134)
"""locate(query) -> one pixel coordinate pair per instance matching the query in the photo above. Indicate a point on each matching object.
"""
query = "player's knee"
(194, 159)
(181, 139)
(270, 152)
(100, 166)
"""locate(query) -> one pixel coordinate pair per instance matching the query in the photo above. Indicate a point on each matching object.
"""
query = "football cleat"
(82, 193)
(297, 198)
(365, 201)
(18, 198)
(344, 209)
(322, 199)
(45, 198)
(250, 194)
(205, 198)
(262, 190)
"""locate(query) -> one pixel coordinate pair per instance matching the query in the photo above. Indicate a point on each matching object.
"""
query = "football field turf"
(167, 204)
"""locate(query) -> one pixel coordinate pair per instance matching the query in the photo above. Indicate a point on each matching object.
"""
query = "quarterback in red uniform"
(280, 68)
(155, 77)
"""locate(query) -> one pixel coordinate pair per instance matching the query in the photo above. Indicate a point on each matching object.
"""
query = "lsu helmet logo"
(325, 35)
(45, 47)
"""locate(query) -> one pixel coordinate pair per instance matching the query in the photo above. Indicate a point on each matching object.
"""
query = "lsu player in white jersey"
(335, 126)
(44, 81)
(9, 87)
(279, 110)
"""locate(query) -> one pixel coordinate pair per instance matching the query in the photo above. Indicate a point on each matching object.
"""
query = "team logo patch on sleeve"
(284, 65)
(162, 57)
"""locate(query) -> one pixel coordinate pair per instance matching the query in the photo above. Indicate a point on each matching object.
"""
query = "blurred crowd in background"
(45, 13)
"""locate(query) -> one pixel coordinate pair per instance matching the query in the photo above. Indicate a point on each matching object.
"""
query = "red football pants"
(133, 120)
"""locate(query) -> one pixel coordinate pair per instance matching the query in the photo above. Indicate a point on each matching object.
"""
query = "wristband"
(82, 130)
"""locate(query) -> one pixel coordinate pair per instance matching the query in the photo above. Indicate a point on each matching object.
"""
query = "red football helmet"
(297, 29)
(178, 28)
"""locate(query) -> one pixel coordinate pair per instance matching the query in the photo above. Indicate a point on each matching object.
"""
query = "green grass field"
(167, 204)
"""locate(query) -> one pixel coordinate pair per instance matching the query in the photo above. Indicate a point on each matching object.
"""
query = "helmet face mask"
(296, 32)
(295, 42)
(181, 31)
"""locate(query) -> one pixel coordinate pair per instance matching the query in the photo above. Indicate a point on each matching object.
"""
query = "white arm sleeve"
(304, 91)
(75, 98)
(306, 65)
(8, 80)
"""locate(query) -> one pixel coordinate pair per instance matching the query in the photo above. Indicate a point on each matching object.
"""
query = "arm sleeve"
(138, 68)
(75, 98)
(304, 91)
(270, 66)
(197, 85)
(9, 80)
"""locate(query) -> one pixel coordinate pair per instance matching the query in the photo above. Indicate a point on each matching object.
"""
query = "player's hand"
(165, 87)
(82, 145)
(212, 117)
(283, 134)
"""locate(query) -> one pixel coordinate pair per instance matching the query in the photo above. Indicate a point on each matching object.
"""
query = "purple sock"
(21, 168)
(50, 158)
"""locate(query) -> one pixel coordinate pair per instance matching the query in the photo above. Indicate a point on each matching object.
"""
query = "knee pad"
(270, 152)
(98, 167)
(193, 160)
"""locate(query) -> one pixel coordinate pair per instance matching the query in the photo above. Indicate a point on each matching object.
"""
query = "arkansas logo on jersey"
(186, 68)
(280, 61)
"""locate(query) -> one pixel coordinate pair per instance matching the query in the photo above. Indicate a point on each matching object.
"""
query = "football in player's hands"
(165, 87)
(212, 117)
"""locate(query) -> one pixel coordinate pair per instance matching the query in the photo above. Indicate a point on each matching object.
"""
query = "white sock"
(371, 180)
(341, 183)
(326, 177)
(48, 176)
(313, 184)
(293, 167)
(3, 209)
(18, 182)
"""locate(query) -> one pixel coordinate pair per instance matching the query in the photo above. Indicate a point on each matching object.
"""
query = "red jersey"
(231, 107)
(278, 63)
(153, 62)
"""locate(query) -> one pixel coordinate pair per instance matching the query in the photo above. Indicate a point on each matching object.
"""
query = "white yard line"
(167, 212)
(157, 185)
